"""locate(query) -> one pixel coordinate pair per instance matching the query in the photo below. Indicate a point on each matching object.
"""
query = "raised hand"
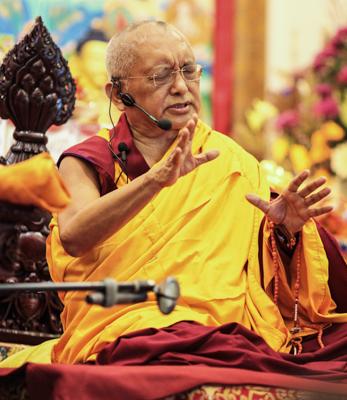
(292, 207)
(181, 161)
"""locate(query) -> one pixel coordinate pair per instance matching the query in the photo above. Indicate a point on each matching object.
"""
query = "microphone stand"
(108, 292)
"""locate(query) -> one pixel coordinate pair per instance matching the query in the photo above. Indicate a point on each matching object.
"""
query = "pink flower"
(322, 58)
(287, 120)
(319, 62)
(324, 90)
(327, 108)
(329, 51)
(342, 76)
(339, 40)
(342, 32)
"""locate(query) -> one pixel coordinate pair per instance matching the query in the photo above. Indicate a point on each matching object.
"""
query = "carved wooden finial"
(36, 91)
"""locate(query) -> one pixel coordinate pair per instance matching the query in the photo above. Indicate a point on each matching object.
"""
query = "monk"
(191, 203)
(188, 202)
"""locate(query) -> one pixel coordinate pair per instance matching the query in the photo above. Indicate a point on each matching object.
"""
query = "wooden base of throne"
(25, 337)
(26, 317)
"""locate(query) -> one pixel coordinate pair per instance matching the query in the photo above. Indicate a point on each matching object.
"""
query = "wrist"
(152, 181)
(285, 236)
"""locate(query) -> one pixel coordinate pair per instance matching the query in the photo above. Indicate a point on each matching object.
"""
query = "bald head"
(124, 48)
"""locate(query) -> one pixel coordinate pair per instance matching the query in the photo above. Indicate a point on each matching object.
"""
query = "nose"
(178, 85)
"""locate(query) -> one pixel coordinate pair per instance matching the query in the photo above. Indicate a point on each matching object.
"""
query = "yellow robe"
(202, 231)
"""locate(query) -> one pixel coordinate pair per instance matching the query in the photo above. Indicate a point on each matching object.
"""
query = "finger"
(315, 212)
(194, 119)
(173, 155)
(173, 167)
(205, 157)
(258, 202)
(314, 198)
(297, 181)
(191, 126)
(312, 186)
(183, 139)
(176, 160)
(187, 146)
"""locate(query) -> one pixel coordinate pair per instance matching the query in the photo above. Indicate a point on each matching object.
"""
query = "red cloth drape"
(222, 65)
(154, 363)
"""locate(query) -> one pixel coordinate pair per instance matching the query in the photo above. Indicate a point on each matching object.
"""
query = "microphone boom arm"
(108, 293)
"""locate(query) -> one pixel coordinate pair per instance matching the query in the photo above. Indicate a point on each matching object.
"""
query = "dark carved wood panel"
(36, 91)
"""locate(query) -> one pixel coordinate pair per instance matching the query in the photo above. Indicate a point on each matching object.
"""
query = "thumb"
(206, 157)
(258, 202)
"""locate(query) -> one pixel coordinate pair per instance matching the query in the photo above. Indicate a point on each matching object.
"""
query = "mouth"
(179, 107)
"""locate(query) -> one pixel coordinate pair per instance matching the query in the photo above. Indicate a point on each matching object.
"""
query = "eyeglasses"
(165, 75)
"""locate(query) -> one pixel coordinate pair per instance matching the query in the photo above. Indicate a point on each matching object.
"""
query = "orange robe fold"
(35, 182)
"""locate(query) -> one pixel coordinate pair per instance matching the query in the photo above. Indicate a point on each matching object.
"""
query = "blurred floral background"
(306, 128)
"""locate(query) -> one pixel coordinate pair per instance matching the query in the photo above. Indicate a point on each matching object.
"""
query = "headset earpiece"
(127, 99)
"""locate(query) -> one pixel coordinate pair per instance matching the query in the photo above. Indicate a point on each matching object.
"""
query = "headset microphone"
(129, 101)
(123, 149)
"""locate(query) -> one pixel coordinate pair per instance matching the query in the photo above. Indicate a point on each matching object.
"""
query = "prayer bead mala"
(296, 341)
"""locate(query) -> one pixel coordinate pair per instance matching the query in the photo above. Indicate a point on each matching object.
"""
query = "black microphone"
(129, 101)
(124, 151)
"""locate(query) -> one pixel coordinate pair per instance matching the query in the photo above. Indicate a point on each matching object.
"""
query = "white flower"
(339, 160)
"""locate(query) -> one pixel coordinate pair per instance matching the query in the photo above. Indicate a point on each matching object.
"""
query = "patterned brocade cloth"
(208, 392)
(8, 349)
(14, 391)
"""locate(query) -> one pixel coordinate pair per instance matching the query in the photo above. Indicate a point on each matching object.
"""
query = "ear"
(115, 99)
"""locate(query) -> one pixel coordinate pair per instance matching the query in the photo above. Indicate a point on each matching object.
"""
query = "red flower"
(329, 51)
(324, 56)
(341, 34)
(287, 120)
(319, 62)
(324, 90)
(342, 76)
(327, 108)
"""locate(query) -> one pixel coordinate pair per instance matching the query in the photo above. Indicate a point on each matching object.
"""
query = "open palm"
(292, 207)
(181, 161)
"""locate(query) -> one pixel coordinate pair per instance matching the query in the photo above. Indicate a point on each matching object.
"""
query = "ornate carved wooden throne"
(36, 91)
